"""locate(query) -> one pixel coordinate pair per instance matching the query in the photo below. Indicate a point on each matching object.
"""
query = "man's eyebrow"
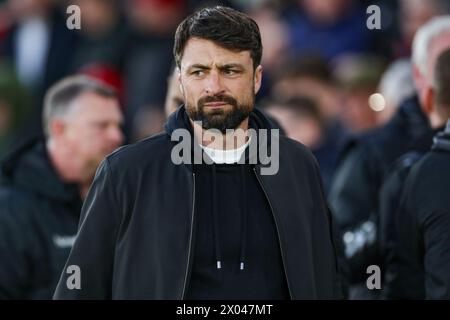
(231, 65)
(198, 66)
(224, 66)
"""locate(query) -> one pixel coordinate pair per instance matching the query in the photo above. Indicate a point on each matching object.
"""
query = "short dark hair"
(441, 83)
(59, 97)
(224, 26)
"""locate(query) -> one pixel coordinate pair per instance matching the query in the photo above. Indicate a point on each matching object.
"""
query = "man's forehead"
(90, 103)
(205, 52)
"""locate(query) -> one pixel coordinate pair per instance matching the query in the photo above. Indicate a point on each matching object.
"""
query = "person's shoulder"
(140, 152)
(428, 179)
(12, 193)
(17, 203)
(435, 165)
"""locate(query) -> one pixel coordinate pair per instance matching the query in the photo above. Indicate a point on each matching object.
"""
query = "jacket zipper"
(278, 230)
(190, 240)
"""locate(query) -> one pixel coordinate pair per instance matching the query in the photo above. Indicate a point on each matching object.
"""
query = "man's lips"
(213, 105)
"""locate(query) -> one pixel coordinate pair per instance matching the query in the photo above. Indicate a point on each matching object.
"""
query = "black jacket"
(354, 195)
(367, 159)
(38, 221)
(390, 195)
(423, 225)
(136, 234)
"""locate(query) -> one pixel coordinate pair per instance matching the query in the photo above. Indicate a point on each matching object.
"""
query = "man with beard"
(43, 182)
(215, 229)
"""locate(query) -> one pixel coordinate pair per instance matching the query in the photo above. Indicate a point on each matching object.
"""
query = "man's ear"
(56, 128)
(258, 78)
(428, 104)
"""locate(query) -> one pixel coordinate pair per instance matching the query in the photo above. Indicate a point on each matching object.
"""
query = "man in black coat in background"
(223, 221)
(422, 222)
(43, 182)
(369, 158)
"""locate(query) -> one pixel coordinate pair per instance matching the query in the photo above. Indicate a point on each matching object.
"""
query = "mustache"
(217, 98)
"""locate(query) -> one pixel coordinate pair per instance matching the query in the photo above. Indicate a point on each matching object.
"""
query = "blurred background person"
(404, 275)
(367, 159)
(301, 120)
(149, 58)
(43, 182)
(312, 77)
(423, 219)
(424, 224)
(309, 76)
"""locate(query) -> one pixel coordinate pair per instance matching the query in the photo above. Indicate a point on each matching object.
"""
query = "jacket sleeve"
(89, 268)
(340, 285)
(352, 201)
(17, 247)
(351, 196)
(437, 254)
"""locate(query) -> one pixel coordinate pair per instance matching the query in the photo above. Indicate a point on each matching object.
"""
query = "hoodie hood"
(29, 167)
(442, 139)
(257, 120)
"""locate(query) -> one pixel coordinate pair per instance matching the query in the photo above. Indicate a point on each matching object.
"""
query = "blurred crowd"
(321, 66)
(320, 50)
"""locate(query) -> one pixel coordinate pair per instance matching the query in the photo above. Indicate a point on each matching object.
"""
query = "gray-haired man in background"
(43, 182)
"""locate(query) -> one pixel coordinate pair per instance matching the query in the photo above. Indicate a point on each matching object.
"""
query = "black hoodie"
(424, 225)
(39, 216)
(390, 194)
(236, 250)
(137, 236)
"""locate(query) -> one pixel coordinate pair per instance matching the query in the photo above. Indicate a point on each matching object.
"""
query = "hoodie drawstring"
(215, 219)
(244, 217)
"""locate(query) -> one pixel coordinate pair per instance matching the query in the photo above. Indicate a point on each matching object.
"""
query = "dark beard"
(220, 119)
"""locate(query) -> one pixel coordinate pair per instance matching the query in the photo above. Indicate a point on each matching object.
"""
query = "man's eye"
(230, 72)
(198, 73)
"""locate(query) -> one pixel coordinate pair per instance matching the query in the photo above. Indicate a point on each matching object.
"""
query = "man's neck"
(228, 141)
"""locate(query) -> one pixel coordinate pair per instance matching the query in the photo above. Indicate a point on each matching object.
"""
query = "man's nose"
(213, 84)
